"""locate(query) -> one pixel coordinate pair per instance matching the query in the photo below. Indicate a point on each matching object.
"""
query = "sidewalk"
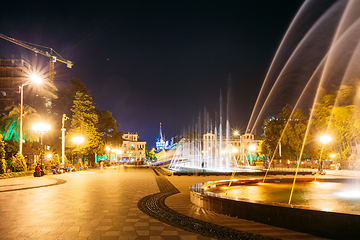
(96, 204)
(28, 182)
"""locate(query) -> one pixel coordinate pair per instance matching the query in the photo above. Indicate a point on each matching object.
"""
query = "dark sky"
(156, 61)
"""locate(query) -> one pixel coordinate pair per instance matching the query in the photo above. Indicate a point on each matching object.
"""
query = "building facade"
(133, 148)
(13, 73)
(240, 145)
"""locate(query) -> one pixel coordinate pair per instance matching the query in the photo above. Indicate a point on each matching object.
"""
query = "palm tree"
(10, 128)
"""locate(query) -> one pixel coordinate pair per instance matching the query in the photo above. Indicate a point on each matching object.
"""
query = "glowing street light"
(77, 140)
(108, 149)
(252, 148)
(325, 139)
(41, 128)
(237, 133)
(33, 78)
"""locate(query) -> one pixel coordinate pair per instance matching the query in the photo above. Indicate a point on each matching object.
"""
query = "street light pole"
(41, 128)
(236, 133)
(77, 141)
(325, 139)
(33, 78)
(64, 118)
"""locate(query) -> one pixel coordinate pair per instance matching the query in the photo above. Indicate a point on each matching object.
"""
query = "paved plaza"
(98, 204)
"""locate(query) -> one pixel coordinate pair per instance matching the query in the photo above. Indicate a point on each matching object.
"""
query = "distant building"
(13, 73)
(133, 148)
(242, 144)
(162, 143)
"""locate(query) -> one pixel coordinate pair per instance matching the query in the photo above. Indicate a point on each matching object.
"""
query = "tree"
(10, 128)
(66, 96)
(18, 162)
(291, 127)
(62, 105)
(336, 115)
(108, 127)
(294, 134)
(83, 123)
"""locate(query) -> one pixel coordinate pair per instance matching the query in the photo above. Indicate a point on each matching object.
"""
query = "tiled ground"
(91, 205)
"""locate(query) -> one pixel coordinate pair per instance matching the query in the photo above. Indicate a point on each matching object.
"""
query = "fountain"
(303, 68)
(211, 151)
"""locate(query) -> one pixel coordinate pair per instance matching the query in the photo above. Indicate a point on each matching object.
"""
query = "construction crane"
(51, 53)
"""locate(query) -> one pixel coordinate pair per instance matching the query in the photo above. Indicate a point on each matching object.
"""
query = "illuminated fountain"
(304, 67)
(211, 151)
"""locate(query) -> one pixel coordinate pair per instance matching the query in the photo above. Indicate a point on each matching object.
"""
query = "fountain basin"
(338, 216)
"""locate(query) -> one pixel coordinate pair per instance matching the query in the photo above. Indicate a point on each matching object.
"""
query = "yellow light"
(35, 78)
(41, 127)
(77, 140)
(234, 150)
(325, 139)
(332, 155)
(252, 148)
(108, 148)
(236, 133)
(48, 156)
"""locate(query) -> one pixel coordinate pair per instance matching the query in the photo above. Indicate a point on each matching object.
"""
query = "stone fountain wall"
(326, 224)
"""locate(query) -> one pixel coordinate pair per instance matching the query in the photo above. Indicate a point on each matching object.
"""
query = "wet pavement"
(98, 204)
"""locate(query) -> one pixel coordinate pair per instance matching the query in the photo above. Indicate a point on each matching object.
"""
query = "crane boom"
(49, 54)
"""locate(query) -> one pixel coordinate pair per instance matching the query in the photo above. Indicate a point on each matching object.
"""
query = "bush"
(2, 166)
(47, 165)
(16, 174)
(33, 166)
(19, 163)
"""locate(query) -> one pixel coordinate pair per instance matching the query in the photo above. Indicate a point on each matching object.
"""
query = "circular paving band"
(58, 181)
(154, 206)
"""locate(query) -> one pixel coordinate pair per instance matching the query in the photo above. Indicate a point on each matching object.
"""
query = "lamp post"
(108, 149)
(77, 141)
(64, 118)
(325, 139)
(33, 78)
(41, 128)
(252, 148)
(236, 133)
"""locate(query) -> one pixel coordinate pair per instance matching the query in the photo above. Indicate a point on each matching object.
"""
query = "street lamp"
(108, 149)
(252, 149)
(41, 128)
(77, 141)
(325, 139)
(33, 78)
(237, 133)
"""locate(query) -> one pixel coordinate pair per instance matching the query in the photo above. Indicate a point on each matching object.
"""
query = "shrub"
(19, 163)
(2, 166)
(47, 165)
(16, 174)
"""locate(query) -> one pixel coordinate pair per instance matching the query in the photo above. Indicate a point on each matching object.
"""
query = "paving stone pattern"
(90, 205)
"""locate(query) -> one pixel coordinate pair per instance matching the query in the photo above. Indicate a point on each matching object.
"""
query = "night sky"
(150, 61)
